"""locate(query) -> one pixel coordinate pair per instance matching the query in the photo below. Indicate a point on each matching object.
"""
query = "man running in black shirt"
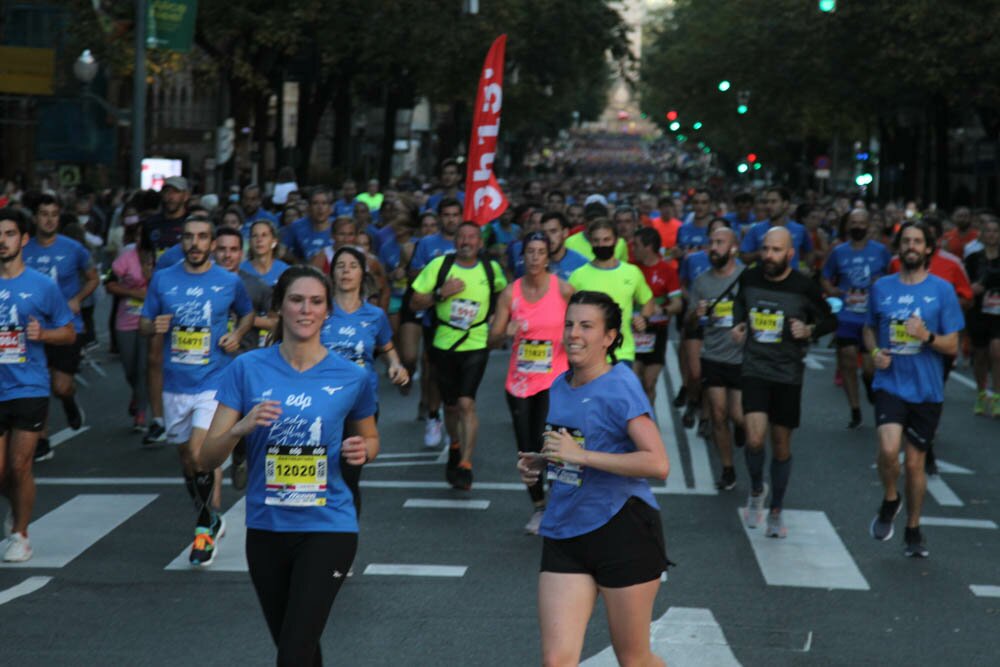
(777, 312)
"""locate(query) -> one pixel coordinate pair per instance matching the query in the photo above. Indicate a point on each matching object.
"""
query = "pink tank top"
(537, 357)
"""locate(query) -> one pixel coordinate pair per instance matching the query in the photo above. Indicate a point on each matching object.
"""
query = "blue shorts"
(849, 334)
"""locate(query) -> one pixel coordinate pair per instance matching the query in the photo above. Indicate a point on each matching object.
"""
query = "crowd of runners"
(259, 330)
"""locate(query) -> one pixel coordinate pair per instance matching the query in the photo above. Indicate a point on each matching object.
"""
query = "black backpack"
(449, 261)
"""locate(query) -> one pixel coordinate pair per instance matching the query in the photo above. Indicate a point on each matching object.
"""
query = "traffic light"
(697, 125)
(743, 99)
(751, 157)
(756, 166)
(723, 86)
(671, 115)
(674, 126)
(742, 167)
(828, 6)
(742, 109)
(681, 138)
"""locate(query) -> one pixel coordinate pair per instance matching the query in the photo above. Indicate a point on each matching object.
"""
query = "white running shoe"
(753, 514)
(18, 549)
(432, 433)
(534, 523)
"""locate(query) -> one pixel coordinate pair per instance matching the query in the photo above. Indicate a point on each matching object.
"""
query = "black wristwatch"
(930, 339)
(437, 295)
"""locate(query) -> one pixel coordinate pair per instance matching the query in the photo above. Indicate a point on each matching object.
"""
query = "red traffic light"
(671, 115)
(751, 157)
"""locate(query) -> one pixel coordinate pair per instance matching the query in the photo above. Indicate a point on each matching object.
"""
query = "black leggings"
(528, 415)
(297, 577)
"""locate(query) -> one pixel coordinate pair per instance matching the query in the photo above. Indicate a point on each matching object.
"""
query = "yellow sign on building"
(25, 71)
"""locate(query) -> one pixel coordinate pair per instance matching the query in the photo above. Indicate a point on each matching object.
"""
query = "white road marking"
(664, 416)
(948, 522)
(231, 555)
(684, 637)
(398, 569)
(813, 362)
(983, 591)
(701, 468)
(26, 587)
(942, 492)
(962, 379)
(812, 556)
(62, 436)
(431, 503)
(952, 469)
(70, 529)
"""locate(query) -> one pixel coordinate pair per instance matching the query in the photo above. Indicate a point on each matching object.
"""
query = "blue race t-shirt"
(435, 200)
(693, 266)
(64, 260)
(428, 248)
(271, 277)
(24, 371)
(570, 262)
(342, 207)
(690, 236)
(304, 241)
(854, 272)
(916, 373)
(170, 257)
(597, 415)
(754, 239)
(357, 336)
(515, 258)
(200, 304)
(294, 482)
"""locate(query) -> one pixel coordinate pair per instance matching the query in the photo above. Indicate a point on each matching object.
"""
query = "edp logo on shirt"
(300, 401)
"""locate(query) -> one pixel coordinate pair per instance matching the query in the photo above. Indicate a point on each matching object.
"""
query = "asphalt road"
(436, 585)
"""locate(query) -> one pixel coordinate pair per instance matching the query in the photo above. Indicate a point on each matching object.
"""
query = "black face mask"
(604, 252)
(857, 233)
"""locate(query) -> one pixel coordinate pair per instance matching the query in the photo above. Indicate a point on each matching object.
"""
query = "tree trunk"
(388, 134)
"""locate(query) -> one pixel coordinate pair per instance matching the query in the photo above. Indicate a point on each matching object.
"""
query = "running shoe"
(218, 526)
(775, 525)
(915, 546)
(203, 550)
(727, 482)
(531, 528)
(238, 470)
(463, 478)
(681, 398)
(753, 514)
(451, 467)
(689, 415)
(139, 422)
(44, 451)
(155, 434)
(982, 404)
(433, 433)
(18, 549)
(881, 528)
(75, 416)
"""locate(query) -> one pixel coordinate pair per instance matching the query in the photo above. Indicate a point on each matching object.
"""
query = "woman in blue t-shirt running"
(304, 413)
(601, 528)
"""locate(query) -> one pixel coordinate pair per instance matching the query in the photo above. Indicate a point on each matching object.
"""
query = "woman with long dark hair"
(602, 525)
(304, 413)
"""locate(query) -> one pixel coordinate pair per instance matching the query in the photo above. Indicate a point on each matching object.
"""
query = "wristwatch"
(930, 339)
(437, 295)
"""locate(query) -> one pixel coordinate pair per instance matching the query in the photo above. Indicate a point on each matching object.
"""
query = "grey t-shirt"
(718, 345)
(260, 297)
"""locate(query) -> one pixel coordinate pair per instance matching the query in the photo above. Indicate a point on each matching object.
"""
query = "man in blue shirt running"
(33, 313)
(778, 210)
(913, 323)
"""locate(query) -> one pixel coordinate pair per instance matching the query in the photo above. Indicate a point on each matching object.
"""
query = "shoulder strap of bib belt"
(449, 261)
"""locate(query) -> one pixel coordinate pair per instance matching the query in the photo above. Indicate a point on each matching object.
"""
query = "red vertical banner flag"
(484, 200)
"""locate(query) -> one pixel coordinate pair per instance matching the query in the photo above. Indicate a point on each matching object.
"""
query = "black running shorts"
(65, 358)
(658, 356)
(627, 550)
(919, 420)
(458, 374)
(782, 402)
(719, 374)
(23, 414)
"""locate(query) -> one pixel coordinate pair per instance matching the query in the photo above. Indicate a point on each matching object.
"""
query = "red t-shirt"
(955, 241)
(946, 266)
(665, 283)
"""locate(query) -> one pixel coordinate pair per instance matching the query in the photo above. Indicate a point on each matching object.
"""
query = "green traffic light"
(674, 126)
(723, 86)
(756, 166)
(827, 5)
(681, 138)
(697, 125)
(742, 109)
(742, 168)
(706, 150)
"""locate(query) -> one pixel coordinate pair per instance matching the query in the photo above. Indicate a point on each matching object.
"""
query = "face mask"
(858, 233)
(604, 253)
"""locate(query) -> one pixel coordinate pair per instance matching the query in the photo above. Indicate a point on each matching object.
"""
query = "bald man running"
(776, 313)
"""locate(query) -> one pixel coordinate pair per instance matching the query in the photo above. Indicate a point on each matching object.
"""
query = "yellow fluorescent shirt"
(581, 244)
(626, 285)
(465, 311)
